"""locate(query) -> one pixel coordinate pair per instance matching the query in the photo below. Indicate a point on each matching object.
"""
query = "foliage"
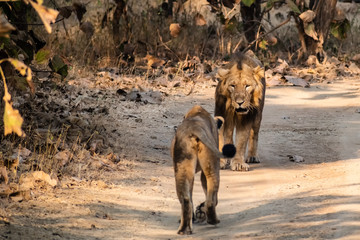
(340, 29)
(58, 66)
(248, 3)
(12, 117)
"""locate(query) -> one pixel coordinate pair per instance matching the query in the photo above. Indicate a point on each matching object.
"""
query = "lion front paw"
(238, 166)
(252, 160)
(185, 231)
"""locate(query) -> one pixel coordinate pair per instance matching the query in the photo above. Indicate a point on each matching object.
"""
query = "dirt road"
(277, 199)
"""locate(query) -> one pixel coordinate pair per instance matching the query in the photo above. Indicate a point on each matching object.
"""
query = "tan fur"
(195, 148)
(239, 99)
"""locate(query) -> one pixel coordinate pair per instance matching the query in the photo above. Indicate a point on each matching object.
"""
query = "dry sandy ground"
(277, 199)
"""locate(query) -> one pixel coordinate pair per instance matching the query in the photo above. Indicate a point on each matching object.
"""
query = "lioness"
(195, 148)
(239, 99)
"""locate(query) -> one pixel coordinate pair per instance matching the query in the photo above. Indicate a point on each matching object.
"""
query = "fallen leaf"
(307, 16)
(175, 29)
(19, 196)
(30, 180)
(296, 158)
(24, 152)
(152, 97)
(154, 62)
(274, 80)
(99, 184)
(200, 20)
(356, 57)
(62, 158)
(282, 67)
(312, 60)
(353, 68)
(5, 190)
(297, 81)
(271, 39)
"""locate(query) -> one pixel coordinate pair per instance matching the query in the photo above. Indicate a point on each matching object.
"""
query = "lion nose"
(240, 102)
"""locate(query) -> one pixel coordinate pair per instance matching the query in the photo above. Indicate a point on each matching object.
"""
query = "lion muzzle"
(239, 107)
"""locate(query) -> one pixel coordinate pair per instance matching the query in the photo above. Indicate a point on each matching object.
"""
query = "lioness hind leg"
(210, 179)
(184, 187)
(200, 213)
(186, 217)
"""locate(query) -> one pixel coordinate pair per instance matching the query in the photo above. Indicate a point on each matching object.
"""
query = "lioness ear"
(258, 73)
(222, 72)
(219, 121)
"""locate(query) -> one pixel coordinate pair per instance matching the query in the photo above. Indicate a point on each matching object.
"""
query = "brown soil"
(276, 199)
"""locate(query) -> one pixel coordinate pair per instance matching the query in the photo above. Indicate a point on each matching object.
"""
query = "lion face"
(243, 87)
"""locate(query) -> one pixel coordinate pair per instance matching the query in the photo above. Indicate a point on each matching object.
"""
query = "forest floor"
(135, 198)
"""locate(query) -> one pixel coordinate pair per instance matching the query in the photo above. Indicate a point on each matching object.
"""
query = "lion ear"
(222, 72)
(219, 121)
(258, 73)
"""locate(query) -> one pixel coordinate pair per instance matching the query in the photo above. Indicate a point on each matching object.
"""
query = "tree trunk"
(120, 10)
(251, 18)
(325, 11)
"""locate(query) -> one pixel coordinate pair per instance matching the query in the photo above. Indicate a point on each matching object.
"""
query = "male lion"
(239, 99)
(195, 148)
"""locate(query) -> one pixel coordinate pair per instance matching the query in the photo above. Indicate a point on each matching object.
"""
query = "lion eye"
(247, 87)
(232, 85)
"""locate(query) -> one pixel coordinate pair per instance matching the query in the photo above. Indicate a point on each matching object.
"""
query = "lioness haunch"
(195, 148)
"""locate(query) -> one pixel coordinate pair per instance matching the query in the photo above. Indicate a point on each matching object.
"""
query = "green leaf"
(263, 44)
(58, 66)
(248, 3)
(270, 4)
(42, 56)
(232, 25)
(309, 29)
(340, 29)
(293, 6)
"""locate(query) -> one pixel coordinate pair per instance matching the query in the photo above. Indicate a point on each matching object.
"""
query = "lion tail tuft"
(229, 150)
